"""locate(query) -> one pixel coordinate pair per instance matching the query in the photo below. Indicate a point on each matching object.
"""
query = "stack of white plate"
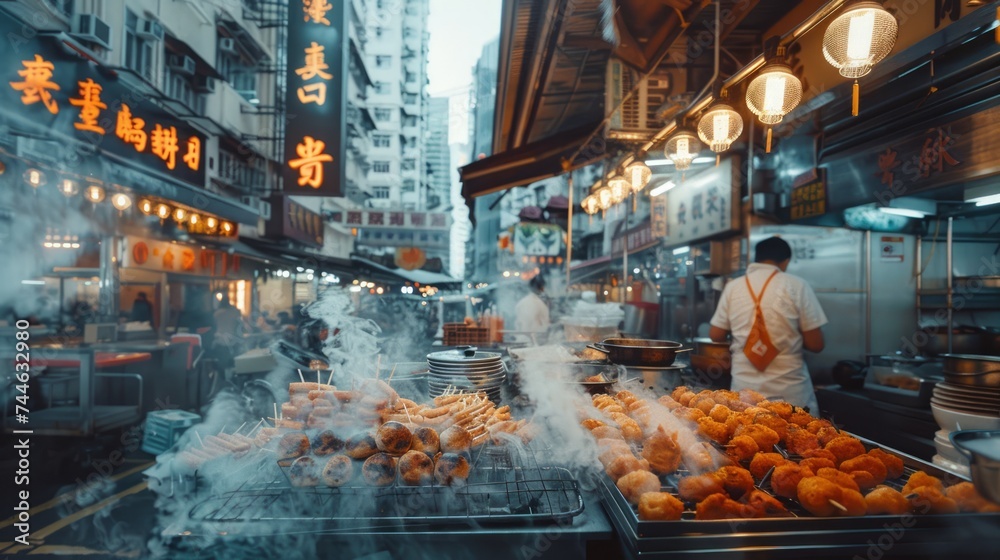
(964, 407)
(465, 370)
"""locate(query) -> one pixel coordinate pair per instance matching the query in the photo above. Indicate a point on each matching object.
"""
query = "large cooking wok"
(639, 352)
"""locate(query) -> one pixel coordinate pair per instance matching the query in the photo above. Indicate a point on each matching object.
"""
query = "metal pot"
(970, 369)
(982, 448)
(639, 352)
(711, 349)
(964, 340)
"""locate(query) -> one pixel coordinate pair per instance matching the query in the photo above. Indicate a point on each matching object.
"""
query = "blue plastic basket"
(164, 428)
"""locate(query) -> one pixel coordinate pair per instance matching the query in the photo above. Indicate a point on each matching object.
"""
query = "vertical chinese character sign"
(315, 98)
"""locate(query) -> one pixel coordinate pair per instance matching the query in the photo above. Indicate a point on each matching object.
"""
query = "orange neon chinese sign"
(193, 156)
(130, 129)
(310, 162)
(315, 67)
(315, 11)
(164, 144)
(90, 105)
(36, 84)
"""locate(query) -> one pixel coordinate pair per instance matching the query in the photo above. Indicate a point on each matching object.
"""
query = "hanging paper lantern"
(774, 93)
(619, 188)
(604, 198)
(682, 149)
(590, 205)
(857, 40)
(638, 175)
(719, 127)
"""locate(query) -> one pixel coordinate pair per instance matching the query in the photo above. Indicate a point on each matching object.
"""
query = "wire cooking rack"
(506, 485)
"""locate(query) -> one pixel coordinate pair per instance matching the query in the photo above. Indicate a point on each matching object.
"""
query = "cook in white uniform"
(792, 316)
(532, 314)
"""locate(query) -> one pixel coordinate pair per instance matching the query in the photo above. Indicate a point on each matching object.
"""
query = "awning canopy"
(425, 277)
(303, 258)
(534, 162)
(589, 269)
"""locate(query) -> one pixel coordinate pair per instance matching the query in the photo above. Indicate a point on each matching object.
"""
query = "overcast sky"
(459, 29)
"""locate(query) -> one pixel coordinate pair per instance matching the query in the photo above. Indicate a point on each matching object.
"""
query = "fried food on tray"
(736, 480)
(817, 463)
(704, 403)
(801, 418)
(818, 424)
(326, 443)
(884, 500)
(893, 464)
(426, 440)
(626, 397)
(786, 477)
(689, 414)
(762, 462)
(361, 445)
(761, 504)
(751, 397)
(293, 444)
(742, 448)
(611, 449)
(338, 471)
(607, 432)
(304, 472)
(839, 478)
(930, 499)
(817, 494)
(393, 438)
(636, 483)
(668, 402)
(715, 431)
(662, 451)
(456, 440)
(845, 447)
(820, 454)
(624, 464)
(379, 469)
(774, 422)
(866, 470)
(853, 502)
(720, 413)
(765, 437)
(685, 398)
(719, 506)
(828, 434)
(678, 391)
(659, 506)
(629, 428)
(800, 441)
(451, 469)
(781, 408)
(920, 478)
(697, 488)
(416, 468)
(698, 458)
(591, 423)
(969, 500)
(599, 378)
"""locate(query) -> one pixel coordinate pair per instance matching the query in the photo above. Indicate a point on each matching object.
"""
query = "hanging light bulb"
(638, 175)
(590, 205)
(121, 202)
(857, 40)
(619, 189)
(227, 228)
(774, 93)
(94, 194)
(146, 206)
(34, 177)
(719, 127)
(163, 211)
(211, 223)
(682, 149)
(195, 219)
(69, 188)
(603, 195)
(180, 215)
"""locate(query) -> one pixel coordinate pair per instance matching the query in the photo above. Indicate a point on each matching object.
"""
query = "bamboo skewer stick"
(837, 505)
(302, 379)
(408, 417)
(223, 429)
(197, 435)
(378, 364)
(254, 429)
(276, 413)
(393, 372)
(240, 428)
(330, 378)
(317, 378)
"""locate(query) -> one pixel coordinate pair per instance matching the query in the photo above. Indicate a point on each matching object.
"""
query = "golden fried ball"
(845, 447)
(828, 434)
(736, 480)
(817, 463)
(884, 500)
(742, 448)
(751, 397)
(817, 494)
(800, 441)
(761, 504)
(839, 478)
(713, 430)
(607, 432)
(969, 499)
(920, 478)
(719, 506)
(720, 413)
(785, 479)
(814, 426)
(697, 488)
(659, 506)
(689, 414)
(591, 423)
(866, 470)
(930, 500)
(762, 462)
(765, 437)
(624, 464)
(893, 464)
(662, 451)
(636, 483)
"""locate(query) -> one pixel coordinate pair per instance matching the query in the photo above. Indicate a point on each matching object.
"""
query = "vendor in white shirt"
(769, 359)
(531, 312)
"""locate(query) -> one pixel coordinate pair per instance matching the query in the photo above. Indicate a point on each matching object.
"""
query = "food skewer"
(302, 379)
(393, 372)
(197, 435)
(254, 429)
(330, 378)
(837, 505)
(240, 428)
(223, 429)
(275, 413)
(317, 378)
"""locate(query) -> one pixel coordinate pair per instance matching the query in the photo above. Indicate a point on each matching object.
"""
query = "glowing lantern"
(94, 194)
(619, 189)
(682, 149)
(719, 127)
(857, 40)
(121, 202)
(774, 93)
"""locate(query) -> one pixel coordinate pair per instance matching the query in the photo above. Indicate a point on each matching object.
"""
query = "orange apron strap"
(757, 299)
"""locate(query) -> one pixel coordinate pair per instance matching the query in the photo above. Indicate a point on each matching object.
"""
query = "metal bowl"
(982, 448)
(972, 369)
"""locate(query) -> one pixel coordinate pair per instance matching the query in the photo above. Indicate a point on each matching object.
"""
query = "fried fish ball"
(817, 463)
(611, 449)
(773, 421)
(781, 408)
(624, 464)
(703, 403)
(697, 488)
(685, 398)
(866, 470)
(293, 444)
(785, 479)
(678, 391)
(659, 506)
(884, 500)
(719, 506)
(613, 408)
(394, 438)
(742, 448)
(765, 437)
(820, 454)
(762, 462)
(761, 504)
(845, 447)
(713, 430)
(607, 432)
(304, 472)
(662, 451)
(361, 445)
(636, 483)
(801, 418)
(451, 469)
(930, 499)
(816, 425)
(816, 495)
(338, 471)
(893, 464)
(854, 503)
(720, 413)
(828, 434)
(800, 441)
(416, 468)
(839, 478)
(969, 499)
(920, 478)
(629, 428)
(591, 423)
(689, 414)
(736, 480)
(626, 397)
(751, 397)
(426, 440)
(697, 458)
(668, 402)
(379, 469)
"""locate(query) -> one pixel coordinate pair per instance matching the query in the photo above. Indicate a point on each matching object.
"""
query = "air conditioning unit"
(93, 29)
(181, 64)
(227, 45)
(250, 95)
(637, 119)
(151, 30)
(204, 84)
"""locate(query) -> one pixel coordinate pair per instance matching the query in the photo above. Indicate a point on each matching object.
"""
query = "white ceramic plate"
(952, 420)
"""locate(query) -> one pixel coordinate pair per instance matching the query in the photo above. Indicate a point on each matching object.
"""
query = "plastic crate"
(164, 428)
(460, 334)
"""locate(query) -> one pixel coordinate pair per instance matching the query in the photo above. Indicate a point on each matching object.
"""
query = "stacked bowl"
(968, 399)
(465, 370)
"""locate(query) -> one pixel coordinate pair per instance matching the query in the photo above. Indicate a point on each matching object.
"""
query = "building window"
(383, 114)
(411, 77)
(379, 31)
(245, 174)
(381, 141)
(383, 87)
(380, 166)
(409, 164)
(179, 88)
(383, 61)
(138, 51)
(409, 32)
(409, 185)
(410, 120)
(410, 98)
(381, 193)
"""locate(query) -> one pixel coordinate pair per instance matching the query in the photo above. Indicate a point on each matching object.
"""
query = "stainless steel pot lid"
(464, 356)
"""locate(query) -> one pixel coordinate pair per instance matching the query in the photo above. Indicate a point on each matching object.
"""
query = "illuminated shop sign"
(315, 98)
